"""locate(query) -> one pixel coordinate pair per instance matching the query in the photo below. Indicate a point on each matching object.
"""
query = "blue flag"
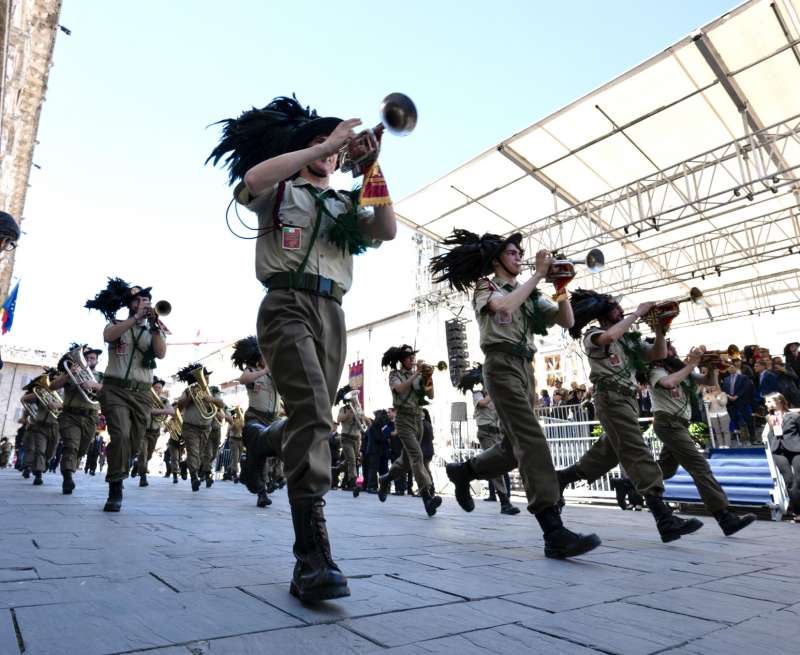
(8, 309)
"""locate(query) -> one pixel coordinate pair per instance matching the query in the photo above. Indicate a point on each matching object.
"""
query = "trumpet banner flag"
(8, 309)
(356, 379)
(374, 191)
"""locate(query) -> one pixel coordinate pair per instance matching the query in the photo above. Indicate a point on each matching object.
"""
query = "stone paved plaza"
(177, 573)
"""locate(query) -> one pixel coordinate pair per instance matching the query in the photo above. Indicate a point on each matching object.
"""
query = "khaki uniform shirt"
(484, 415)
(284, 249)
(408, 401)
(612, 365)
(496, 327)
(191, 415)
(262, 395)
(73, 398)
(349, 422)
(122, 350)
(672, 401)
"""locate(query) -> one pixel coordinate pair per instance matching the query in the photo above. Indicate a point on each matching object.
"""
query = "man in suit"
(739, 390)
(767, 380)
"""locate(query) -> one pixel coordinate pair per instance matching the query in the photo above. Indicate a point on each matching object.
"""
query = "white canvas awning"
(684, 171)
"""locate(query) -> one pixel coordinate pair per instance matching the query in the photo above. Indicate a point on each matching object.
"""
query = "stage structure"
(684, 171)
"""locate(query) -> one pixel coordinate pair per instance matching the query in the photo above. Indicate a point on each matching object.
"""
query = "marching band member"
(198, 408)
(672, 381)
(283, 156)
(134, 344)
(410, 391)
(42, 430)
(78, 418)
(153, 432)
(489, 431)
(615, 354)
(235, 441)
(176, 445)
(262, 406)
(350, 424)
(214, 436)
(509, 315)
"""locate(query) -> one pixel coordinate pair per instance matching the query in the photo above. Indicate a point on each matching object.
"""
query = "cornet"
(665, 312)
(161, 308)
(79, 372)
(564, 269)
(398, 116)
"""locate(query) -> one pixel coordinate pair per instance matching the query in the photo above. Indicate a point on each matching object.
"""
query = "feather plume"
(111, 299)
(246, 353)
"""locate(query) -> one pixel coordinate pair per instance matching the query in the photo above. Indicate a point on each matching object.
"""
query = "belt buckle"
(325, 285)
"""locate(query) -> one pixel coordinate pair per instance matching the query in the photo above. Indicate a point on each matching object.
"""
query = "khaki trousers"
(236, 454)
(146, 448)
(489, 440)
(720, 425)
(37, 437)
(175, 456)
(409, 430)
(196, 439)
(510, 382)
(77, 432)
(212, 448)
(680, 450)
(623, 443)
(303, 338)
(127, 415)
(351, 446)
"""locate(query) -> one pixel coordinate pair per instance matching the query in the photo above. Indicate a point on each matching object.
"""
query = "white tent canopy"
(684, 171)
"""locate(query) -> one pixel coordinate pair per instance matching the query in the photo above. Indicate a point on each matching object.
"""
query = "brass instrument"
(718, 359)
(351, 398)
(157, 403)
(79, 372)
(398, 117)
(426, 376)
(161, 308)
(562, 268)
(201, 396)
(238, 417)
(665, 312)
(47, 398)
(174, 425)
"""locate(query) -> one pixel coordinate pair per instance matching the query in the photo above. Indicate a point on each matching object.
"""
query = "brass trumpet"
(563, 268)
(161, 308)
(665, 312)
(398, 117)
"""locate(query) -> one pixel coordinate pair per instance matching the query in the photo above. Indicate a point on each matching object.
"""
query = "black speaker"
(455, 331)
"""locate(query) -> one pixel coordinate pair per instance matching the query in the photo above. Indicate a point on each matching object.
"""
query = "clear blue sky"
(123, 190)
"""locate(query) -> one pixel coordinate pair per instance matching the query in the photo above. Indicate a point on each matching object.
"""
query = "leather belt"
(314, 284)
(130, 385)
(509, 349)
(607, 384)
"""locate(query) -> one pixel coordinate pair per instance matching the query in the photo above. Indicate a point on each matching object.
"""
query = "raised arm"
(511, 302)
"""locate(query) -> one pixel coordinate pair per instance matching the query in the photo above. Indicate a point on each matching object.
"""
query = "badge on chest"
(675, 392)
(291, 237)
(121, 348)
(614, 359)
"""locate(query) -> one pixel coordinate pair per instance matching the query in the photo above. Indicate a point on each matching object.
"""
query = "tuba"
(157, 403)
(351, 398)
(238, 418)
(398, 116)
(665, 312)
(201, 396)
(562, 268)
(76, 368)
(47, 398)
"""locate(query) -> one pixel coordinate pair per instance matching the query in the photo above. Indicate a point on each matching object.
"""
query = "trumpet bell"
(595, 260)
(399, 114)
(441, 366)
(696, 296)
(163, 308)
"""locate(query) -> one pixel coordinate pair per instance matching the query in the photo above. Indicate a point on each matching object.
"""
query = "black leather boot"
(263, 499)
(114, 502)
(670, 527)
(567, 477)
(143, 480)
(505, 505)
(26, 473)
(37, 478)
(174, 478)
(68, 484)
(195, 481)
(316, 576)
(430, 500)
(384, 485)
(560, 543)
(461, 475)
(209, 479)
(261, 442)
(731, 523)
(492, 497)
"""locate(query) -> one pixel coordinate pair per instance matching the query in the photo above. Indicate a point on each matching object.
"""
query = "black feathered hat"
(341, 394)
(117, 294)
(158, 380)
(8, 227)
(88, 350)
(588, 306)
(185, 374)
(246, 353)
(470, 378)
(471, 257)
(284, 125)
(395, 355)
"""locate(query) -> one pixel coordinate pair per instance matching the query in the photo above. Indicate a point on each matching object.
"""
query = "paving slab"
(316, 639)
(779, 590)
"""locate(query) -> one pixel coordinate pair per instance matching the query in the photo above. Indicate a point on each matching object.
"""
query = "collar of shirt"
(323, 193)
(502, 283)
